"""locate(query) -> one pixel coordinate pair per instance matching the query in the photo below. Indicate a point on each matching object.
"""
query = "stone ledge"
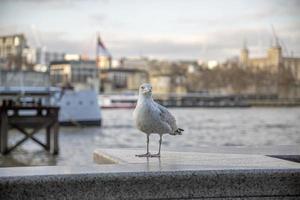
(176, 175)
(216, 184)
(200, 160)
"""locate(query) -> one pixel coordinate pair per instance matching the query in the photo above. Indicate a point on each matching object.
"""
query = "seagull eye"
(142, 87)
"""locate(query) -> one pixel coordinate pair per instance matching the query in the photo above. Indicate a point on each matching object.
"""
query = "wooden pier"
(28, 120)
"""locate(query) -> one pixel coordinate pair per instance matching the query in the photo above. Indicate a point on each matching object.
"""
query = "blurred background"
(228, 70)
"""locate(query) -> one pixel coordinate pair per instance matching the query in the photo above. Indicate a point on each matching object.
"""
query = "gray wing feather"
(167, 117)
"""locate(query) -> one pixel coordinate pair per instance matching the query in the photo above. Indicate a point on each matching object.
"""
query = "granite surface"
(155, 185)
(286, 152)
(257, 150)
(176, 175)
(201, 160)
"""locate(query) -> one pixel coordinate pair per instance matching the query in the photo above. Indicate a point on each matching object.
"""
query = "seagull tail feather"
(178, 131)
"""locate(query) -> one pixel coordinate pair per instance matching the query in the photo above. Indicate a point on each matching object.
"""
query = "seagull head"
(145, 89)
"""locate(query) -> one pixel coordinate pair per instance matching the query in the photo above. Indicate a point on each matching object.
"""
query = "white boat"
(79, 107)
(76, 107)
(117, 101)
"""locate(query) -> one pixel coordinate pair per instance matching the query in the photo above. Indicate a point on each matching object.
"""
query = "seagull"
(152, 118)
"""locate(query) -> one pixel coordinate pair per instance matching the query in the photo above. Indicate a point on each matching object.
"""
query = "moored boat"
(76, 107)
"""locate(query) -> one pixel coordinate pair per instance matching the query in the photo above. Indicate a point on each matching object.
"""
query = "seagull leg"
(160, 141)
(148, 153)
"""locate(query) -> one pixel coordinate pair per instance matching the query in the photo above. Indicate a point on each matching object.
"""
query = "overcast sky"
(173, 29)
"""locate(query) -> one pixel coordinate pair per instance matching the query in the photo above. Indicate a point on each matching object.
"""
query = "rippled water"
(203, 127)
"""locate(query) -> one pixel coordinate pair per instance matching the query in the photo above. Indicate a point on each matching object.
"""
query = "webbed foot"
(144, 155)
(157, 155)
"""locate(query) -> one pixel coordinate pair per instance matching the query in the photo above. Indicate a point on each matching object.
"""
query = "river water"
(203, 127)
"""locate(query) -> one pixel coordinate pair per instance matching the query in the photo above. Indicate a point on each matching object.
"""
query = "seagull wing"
(167, 117)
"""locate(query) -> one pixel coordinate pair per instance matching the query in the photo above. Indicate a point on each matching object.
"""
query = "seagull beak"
(146, 90)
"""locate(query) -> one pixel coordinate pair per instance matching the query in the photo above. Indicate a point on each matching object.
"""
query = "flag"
(102, 49)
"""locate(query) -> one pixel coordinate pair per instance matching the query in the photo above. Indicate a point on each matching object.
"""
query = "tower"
(274, 55)
(244, 55)
(275, 52)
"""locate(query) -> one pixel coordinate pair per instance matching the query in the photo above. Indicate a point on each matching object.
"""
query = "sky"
(164, 29)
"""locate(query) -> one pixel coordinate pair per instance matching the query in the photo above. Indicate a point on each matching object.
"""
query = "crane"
(278, 41)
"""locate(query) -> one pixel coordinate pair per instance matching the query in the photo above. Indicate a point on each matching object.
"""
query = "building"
(167, 78)
(286, 69)
(51, 56)
(167, 84)
(104, 62)
(272, 62)
(44, 57)
(11, 51)
(15, 54)
(141, 63)
(122, 80)
(78, 74)
(75, 57)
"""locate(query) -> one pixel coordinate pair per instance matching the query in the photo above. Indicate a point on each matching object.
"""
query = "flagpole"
(97, 60)
(97, 49)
